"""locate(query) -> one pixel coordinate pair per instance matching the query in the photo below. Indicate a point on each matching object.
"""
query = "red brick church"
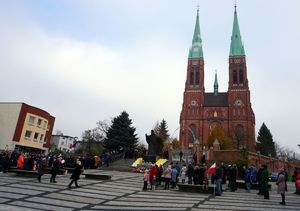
(202, 111)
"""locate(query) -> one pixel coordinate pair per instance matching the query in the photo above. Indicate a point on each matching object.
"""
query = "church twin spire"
(196, 51)
(236, 45)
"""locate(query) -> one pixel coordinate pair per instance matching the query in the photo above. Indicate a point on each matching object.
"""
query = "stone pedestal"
(197, 151)
(170, 151)
(150, 158)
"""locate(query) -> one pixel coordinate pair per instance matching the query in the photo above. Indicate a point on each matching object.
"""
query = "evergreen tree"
(265, 143)
(163, 131)
(121, 134)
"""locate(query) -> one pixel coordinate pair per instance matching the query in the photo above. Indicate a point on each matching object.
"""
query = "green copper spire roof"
(196, 49)
(236, 46)
(216, 85)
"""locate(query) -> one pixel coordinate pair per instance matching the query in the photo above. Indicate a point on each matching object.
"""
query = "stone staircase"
(119, 165)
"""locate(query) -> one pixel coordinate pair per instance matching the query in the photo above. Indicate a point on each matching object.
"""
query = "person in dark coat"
(196, 175)
(218, 180)
(201, 174)
(224, 172)
(190, 173)
(41, 163)
(232, 178)
(264, 180)
(180, 155)
(54, 170)
(76, 174)
(258, 179)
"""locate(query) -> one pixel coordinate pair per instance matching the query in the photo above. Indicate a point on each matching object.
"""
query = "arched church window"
(240, 136)
(197, 78)
(241, 76)
(233, 112)
(192, 77)
(192, 133)
(234, 77)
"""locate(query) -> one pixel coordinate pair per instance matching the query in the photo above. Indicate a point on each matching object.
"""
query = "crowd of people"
(199, 175)
(29, 161)
(173, 174)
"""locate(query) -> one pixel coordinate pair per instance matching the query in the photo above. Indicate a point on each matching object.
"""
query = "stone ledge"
(195, 188)
(97, 176)
(254, 186)
(25, 173)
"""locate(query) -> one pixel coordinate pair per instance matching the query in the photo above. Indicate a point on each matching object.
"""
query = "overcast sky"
(84, 61)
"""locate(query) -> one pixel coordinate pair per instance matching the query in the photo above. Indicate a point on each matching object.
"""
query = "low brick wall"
(230, 156)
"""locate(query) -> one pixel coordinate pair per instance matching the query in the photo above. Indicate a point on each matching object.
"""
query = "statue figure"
(154, 144)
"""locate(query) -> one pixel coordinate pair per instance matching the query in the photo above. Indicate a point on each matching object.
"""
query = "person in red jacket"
(20, 161)
(153, 176)
(296, 178)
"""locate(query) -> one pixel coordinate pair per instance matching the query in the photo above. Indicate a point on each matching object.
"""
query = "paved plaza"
(124, 192)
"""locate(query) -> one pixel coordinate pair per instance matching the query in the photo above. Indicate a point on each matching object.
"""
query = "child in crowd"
(146, 179)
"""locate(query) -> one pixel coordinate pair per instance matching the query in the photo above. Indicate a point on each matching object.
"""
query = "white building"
(62, 142)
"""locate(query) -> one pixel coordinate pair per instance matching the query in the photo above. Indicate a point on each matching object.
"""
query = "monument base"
(150, 158)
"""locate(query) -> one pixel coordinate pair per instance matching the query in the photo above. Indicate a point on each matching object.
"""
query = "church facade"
(203, 111)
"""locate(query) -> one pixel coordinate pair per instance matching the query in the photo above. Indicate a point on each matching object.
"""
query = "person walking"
(76, 174)
(54, 170)
(264, 181)
(281, 185)
(41, 163)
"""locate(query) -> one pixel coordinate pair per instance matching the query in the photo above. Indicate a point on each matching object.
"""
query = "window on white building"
(28, 134)
(42, 138)
(45, 124)
(39, 123)
(31, 120)
(36, 136)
